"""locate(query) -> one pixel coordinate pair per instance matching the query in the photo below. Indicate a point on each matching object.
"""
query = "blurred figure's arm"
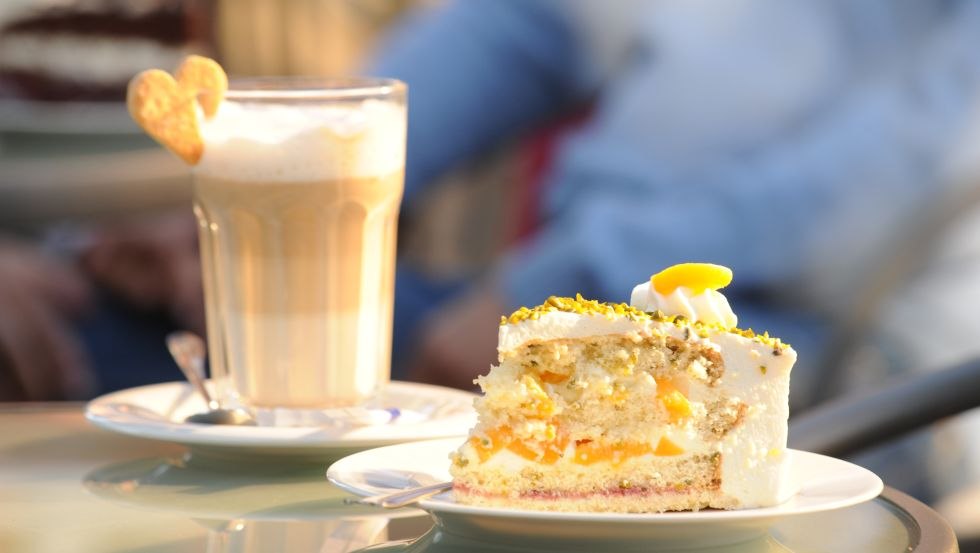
(479, 72)
(819, 195)
(40, 357)
(152, 263)
(817, 199)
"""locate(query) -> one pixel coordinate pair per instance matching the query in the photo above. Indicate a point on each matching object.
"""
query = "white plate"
(155, 412)
(824, 484)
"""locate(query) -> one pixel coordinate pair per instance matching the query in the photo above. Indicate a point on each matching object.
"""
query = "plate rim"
(438, 507)
(268, 438)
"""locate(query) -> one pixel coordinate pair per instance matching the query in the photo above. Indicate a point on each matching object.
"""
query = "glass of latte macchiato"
(297, 200)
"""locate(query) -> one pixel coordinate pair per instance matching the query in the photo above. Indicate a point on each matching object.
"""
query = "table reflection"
(65, 486)
(329, 536)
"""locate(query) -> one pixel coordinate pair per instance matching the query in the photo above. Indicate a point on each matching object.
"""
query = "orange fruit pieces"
(538, 404)
(670, 393)
(698, 277)
(547, 452)
(667, 448)
(552, 378)
(495, 440)
(588, 452)
(677, 405)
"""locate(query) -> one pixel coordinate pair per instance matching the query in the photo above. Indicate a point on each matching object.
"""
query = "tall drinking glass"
(297, 198)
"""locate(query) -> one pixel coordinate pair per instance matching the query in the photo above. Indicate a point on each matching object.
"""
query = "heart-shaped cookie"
(165, 110)
(165, 107)
(206, 79)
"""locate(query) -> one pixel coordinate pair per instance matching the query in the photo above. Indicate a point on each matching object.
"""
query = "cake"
(663, 404)
(86, 50)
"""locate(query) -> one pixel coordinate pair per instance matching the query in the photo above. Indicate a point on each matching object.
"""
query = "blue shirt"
(786, 139)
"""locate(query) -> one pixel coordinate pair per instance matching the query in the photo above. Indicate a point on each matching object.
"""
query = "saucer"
(413, 412)
(823, 484)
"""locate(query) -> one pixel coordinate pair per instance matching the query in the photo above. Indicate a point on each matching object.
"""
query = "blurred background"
(828, 152)
(65, 65)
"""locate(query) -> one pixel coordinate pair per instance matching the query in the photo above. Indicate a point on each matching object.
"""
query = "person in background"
(792, 141)
(41, 357)
(786, 140)
(764, 135)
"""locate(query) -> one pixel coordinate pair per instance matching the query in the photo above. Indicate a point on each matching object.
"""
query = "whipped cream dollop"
(710, 306)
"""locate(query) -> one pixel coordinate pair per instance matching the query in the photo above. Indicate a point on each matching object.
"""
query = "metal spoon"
(188, 351)
(404, 497)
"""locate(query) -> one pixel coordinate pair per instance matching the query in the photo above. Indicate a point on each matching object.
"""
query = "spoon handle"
(406, 497)
(188, 351)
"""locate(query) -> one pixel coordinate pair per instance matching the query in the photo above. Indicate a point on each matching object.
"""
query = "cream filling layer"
(509, 461)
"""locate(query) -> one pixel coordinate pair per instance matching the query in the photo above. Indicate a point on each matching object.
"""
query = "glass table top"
(67, 486)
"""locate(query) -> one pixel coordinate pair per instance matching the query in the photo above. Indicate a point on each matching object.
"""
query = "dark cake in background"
(87, 50)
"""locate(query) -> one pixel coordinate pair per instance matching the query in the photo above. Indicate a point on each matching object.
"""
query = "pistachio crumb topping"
(578, 304)
(582, 306)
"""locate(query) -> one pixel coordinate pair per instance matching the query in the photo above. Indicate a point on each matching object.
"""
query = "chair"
(852, 423)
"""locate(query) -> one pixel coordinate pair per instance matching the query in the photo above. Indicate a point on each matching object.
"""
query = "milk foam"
(252, 141)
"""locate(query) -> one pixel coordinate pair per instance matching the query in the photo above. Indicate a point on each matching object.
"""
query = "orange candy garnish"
(696, 276)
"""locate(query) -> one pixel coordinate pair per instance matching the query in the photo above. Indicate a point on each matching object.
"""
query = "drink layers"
(316, 190)
(296, 193)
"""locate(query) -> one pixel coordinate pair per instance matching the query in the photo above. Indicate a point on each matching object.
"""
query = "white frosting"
(754, 458)
(560, 324)
(709, 306)
(289, 143)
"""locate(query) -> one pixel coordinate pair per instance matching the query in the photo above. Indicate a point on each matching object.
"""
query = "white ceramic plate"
(824, 484)
(156, 412)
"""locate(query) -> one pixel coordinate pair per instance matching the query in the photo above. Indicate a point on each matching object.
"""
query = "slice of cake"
(661, 405)
(87, 50)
